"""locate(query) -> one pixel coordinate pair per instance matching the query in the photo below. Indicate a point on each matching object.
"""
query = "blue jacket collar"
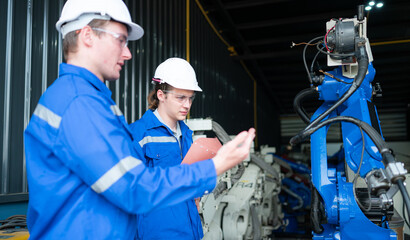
(152, 121)
(66, 69)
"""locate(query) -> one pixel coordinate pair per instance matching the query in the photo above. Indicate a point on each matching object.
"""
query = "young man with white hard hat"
(164, 140)
(85, 178)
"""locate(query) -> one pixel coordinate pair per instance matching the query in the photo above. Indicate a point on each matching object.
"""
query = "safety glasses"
(119, 37)
(180, 97)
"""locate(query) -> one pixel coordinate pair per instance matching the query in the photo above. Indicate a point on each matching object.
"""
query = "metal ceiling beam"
(267, 41)
(247, 3)
(276, 54)
(307, 18)
(292, 20)
(283, 83)
(254, 65)
(397, 59)
(296, 67)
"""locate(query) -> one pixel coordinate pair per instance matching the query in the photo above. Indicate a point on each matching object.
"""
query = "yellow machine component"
(14, 234)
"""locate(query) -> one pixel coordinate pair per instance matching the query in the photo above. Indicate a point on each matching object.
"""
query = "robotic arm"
(339, 211)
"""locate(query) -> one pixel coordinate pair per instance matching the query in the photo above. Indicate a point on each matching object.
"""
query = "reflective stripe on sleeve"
(116, 110)
(47, 115)
(115, 173)
(149, 139)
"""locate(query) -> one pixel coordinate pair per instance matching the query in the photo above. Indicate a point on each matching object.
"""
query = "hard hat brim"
(136, 31)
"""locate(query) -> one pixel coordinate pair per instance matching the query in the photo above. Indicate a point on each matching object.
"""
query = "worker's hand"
(233, 152)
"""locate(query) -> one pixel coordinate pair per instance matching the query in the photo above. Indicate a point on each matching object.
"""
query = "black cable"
(224, 137)
(297, 103)
(304, 57)
(315, 212)
(262, 164)
(363, 62)
(16, 221)
(314, 59)
(374, 136)
(369, 130)
(220, 132)
(357, 175)
(405, 195)
(404, 215)
(336, 55)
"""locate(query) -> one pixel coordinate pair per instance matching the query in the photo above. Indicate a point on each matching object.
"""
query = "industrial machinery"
(245, 202)
(295, 198)
(340, 210)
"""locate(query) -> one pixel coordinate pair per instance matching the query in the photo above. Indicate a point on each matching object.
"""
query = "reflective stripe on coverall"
(85, 179)
(161, 149)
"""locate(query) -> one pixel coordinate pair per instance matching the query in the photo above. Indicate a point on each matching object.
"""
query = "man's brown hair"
(70, 40)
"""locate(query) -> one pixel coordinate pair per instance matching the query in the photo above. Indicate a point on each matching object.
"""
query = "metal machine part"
(342, 38)
(245, 202)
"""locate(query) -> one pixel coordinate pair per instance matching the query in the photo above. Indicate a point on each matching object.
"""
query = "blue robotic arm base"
(345, 219)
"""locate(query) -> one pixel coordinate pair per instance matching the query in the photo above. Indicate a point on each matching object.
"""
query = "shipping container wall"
(31, 50)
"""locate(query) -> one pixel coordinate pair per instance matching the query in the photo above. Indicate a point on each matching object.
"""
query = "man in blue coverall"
(85, 179)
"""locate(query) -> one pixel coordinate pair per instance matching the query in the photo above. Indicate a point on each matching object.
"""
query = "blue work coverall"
(84, 176)
(161, 149)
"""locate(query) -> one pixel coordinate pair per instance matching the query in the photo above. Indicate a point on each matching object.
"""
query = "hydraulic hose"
(293, 194)
(297, 106)
(405, 195)
(315, 213)
(378, 141)
(224, 137)
(220, 132)
(363, 62)
(283, 164)
(371, 132)
(265, 166)
(222, 186)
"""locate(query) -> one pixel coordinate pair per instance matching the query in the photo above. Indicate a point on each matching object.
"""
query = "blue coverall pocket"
(161, 156)
(157, 156)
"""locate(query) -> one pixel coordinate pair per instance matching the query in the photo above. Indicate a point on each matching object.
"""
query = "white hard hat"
(178, 73)
(78, 13)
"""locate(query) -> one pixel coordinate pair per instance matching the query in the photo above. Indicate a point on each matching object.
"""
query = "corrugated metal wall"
(227, 90)
(29, 57)
(30, 51)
